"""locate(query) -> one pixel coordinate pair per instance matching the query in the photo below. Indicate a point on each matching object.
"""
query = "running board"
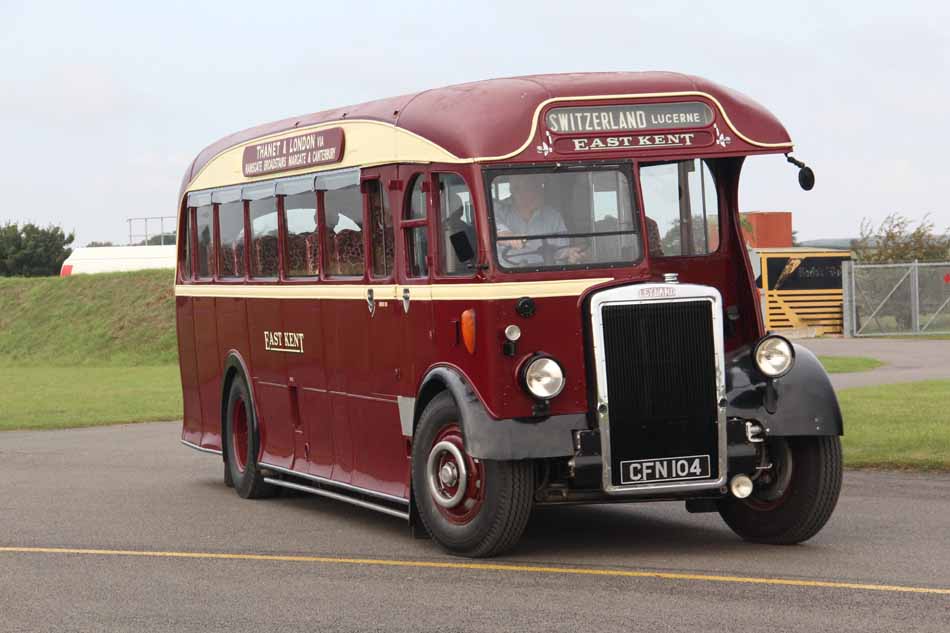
(339, 497)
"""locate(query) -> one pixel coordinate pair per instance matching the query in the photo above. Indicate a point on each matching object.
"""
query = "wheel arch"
(234, 366)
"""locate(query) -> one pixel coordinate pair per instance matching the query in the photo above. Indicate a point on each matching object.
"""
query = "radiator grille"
(661, 380)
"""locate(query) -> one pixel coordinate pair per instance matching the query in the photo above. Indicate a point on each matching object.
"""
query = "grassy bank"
(105, 320)
(897, 426)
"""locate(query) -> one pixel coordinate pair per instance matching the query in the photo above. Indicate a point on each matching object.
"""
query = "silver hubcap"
(446, 469)
(449, 474)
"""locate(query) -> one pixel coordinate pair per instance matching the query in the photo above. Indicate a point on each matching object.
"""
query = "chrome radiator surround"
(657, 293)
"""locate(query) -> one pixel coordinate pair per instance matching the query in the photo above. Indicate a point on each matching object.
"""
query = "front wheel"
(796, 498)
(471, 507)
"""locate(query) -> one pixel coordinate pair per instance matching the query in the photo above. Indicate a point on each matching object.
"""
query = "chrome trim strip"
(213, 451)
(337, 484)
(670, 293)
(333, 495)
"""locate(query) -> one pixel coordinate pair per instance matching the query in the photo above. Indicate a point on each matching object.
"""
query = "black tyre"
(799, 498)
(470, 507)
(242, 444)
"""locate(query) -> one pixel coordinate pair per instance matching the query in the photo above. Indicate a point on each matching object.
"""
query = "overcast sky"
(103, 105)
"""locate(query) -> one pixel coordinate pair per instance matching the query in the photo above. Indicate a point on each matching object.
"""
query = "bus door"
(379, 448)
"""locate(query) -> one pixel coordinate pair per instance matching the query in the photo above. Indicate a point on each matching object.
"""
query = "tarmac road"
(142, 501)
(905, 360)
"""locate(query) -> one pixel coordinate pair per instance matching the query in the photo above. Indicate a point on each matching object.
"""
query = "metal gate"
(896, 299)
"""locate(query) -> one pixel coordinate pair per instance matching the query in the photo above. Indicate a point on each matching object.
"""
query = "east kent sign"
(297, 152)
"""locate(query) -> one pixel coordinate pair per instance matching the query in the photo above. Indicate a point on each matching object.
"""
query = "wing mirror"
(806, 177)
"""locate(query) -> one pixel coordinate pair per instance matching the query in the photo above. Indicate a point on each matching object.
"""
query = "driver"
(525, 213)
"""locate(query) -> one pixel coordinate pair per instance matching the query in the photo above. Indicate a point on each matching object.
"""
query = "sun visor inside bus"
(231, 194)
(337, 179)
(199, 199)
(293, 186)
(258, 191)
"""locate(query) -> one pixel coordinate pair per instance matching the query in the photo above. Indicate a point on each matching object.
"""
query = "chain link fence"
(896, 299)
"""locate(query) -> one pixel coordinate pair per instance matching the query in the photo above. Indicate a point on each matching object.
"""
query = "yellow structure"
(801, 288)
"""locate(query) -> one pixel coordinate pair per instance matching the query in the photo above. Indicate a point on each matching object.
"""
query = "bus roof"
(494, 119)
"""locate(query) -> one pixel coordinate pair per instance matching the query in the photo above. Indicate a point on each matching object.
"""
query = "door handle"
(405, 300)
(370, 302)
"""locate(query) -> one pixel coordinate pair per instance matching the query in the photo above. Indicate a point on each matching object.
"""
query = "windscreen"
(565, 218)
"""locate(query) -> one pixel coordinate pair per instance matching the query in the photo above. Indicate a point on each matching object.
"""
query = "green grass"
(848, 364)
(104, 320)
(63, 397)
(903, 426)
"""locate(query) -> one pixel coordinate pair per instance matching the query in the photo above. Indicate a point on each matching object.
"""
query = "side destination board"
(297, 152)
(624, 118)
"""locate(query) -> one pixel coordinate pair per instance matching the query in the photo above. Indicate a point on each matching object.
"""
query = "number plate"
(644, 471)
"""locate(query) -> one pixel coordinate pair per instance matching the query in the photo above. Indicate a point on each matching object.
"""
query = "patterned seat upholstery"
(383, 247)
(653, 235)
(303, 254)
(231, 265)
(348, 258)
(265, 256)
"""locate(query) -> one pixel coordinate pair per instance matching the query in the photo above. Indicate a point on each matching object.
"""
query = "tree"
(32, 251)
(895, 240)
(95, 244)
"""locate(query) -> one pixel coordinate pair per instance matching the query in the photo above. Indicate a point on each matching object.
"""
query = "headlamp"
(774, 356)
(543, 377)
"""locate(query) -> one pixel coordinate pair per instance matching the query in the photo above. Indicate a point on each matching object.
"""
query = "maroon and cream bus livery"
(456, 305)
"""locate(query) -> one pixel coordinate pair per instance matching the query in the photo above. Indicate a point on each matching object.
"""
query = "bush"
(31, 251)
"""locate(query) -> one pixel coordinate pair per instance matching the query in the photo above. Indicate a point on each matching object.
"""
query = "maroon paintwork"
(332, 411)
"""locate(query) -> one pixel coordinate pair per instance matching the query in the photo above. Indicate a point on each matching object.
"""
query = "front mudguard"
(507, 439)
(803, 401)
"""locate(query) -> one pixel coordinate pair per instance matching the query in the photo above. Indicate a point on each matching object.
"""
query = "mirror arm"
(794, 161)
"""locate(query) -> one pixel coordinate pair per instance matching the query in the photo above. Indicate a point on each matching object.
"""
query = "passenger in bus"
(525, 213)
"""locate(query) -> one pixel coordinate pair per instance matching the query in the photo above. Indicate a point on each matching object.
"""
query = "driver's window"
(456, 226)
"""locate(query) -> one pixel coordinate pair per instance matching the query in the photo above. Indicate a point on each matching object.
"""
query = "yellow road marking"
(621, 573)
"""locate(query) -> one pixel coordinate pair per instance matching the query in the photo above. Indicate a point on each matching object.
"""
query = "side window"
(203, 217)
(231, 248)
(263, 217)
(456, 226)
(303, 244)
(417, 246)
(186, 227)
(681, 207)
(343, 240)
(381, 224)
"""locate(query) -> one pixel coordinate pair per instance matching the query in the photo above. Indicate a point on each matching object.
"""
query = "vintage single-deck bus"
(455, 305)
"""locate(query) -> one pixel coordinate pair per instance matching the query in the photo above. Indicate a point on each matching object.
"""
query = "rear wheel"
(242, 442)
(471, 507)
(797, 496)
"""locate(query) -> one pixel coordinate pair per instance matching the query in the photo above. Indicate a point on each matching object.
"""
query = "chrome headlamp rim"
(526, 368)
(791, 356)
